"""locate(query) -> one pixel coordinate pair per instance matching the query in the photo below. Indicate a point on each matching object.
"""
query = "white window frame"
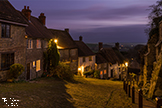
(29, 44)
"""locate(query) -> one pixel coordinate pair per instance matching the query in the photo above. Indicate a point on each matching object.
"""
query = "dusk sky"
(96, 20)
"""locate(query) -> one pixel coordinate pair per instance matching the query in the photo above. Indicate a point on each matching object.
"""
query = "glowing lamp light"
(126, 64)
(26, 36)
(55, 40)
(79, 69)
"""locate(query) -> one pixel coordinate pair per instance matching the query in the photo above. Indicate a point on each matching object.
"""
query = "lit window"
(5, 31)
(33, 63)
(104, 71)
(29, 44)
(101, 73)
(38, 43)
(38, 65)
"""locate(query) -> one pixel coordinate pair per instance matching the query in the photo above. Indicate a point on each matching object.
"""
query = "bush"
(63, 71)
(88, 73)
(97, 74)
(15, 70)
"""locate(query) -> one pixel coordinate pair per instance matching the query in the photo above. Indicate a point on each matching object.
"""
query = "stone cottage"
(37, 37)
(102, 65)
(12, 38)
(86, 58)
(115, 61)
(67, 48)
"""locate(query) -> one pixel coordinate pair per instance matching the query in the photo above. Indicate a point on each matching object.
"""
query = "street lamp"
(55, 40)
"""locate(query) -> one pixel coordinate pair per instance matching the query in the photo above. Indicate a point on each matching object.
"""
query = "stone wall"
(70, 57)
(35, 54)
(16, 44)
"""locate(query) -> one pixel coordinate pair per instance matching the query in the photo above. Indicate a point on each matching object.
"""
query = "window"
(38, 65)
(104, 71)
(38, 43)
(7, 60)
(83, 59)
(5, 31)
(34, 64)
(29, 44)
(90, 58)
(45, 44)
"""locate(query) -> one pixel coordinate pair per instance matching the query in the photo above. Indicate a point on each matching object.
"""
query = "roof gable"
(9, 13)
(37, 30)
(112, 55)
(83, 49)
(64, 39)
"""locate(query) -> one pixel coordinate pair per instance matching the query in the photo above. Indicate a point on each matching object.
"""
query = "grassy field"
(55, 93)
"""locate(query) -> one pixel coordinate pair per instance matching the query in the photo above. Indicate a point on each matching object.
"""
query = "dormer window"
(5, 30)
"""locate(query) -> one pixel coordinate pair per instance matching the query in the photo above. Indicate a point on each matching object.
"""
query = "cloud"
(131, 33)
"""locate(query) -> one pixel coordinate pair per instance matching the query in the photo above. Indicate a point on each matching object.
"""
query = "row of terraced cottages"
(24, 38)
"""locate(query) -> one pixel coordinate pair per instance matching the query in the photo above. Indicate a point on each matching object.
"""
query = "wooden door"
(28, 71)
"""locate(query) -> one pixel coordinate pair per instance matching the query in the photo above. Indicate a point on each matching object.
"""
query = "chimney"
(100, 45)
(42, 18)
(117, 46)
(80, 38)
(26, 12)
(67, 30)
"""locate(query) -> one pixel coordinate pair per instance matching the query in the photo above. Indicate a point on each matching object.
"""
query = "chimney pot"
(80, 38)
(26, 12)
(100, 45)
(42, 18)
(67, 30)
(117, 45)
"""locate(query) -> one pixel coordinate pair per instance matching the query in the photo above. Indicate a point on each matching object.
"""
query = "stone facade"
(103, 68)
(156, 76)
(149, 58)
(15, 44)
(70, 57)
(33, 55)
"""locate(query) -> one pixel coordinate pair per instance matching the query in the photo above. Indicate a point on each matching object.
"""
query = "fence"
(131, 93)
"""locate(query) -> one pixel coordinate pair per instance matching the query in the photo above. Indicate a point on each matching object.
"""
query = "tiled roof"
(37, 30)
(112, 55)
(9, 13)
(64, 39)
(83, 49)
(100, 59)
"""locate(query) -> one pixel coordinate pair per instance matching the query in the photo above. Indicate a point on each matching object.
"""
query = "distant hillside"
(94, 47)
(133, 53)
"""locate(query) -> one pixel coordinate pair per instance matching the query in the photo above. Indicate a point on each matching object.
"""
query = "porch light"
(79, 69)
(126, 64)
(55, 40)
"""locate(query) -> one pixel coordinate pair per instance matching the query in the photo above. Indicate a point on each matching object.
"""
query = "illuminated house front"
(110, 62)
(86, 58)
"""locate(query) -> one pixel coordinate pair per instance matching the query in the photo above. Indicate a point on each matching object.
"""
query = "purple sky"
(96, 20)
